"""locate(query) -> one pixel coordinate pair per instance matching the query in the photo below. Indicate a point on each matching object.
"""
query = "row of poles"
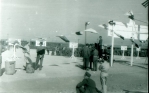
(112, 23)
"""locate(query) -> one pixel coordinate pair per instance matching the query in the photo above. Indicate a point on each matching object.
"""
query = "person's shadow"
(2, 71)
(80, 66)
(128, 91)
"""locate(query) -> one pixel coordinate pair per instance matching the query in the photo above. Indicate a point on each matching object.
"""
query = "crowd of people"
(91, 53)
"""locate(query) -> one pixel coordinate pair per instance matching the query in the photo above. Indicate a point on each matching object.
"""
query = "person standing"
(87, 85)
(86, 55)
(28, 66)
(26, 51)
(27, 46)
(100, 46)
(91, 48)
(48, 50)
(104, 68)
(40, 55)
(95, 57)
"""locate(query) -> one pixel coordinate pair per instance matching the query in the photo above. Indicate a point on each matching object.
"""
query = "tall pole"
(112, 46)
(131, 54)
(112, 24)
(85, 32)
(86, 23)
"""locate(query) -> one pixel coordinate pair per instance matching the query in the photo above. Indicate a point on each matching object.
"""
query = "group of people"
(39, 58)
(94, 54)
(88, 85)
(91, 54)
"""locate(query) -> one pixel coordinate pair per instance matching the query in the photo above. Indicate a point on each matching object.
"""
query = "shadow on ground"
(74, 62)
(128, 91)
(125, 62)
(80, 66)
(66, 63)
(53, 65)
(2, 71)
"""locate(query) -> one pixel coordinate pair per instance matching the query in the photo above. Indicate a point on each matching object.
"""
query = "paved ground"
(61, 74)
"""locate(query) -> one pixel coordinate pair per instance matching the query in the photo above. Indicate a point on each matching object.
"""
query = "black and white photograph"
(73, 46)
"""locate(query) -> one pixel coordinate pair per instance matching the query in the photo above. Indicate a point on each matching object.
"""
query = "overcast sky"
(27, 19)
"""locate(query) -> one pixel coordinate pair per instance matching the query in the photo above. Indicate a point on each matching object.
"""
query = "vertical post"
(0, 64)
(123, 57)
(123, 53)
(137, 55)
(112, 46)
(72, 52)
(85, 32)
(86, 23)
(132, 54)
(0, 58)
(14, 51)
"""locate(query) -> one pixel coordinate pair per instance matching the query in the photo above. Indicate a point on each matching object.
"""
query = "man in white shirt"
(104, 68)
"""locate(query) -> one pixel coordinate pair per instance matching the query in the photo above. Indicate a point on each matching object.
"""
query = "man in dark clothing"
(100, 46)
(87, 85)
(40, 55)
(91, 48)
(95, 57)
(86, 55)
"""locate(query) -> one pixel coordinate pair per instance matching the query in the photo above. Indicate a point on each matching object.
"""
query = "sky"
(29, 19)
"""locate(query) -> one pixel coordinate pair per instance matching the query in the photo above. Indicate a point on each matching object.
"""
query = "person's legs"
(37, 60)
(91, 61)
(41, 61)
(48, 52)
(103, 80)
(96, 59)
(91, 65)
(83, 63)
(87, 62)
(95, 63)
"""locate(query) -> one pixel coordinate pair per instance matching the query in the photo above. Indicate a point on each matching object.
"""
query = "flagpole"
(86, 23)
(132, 44)
(85, 32)
(132, 54)
(112, 46)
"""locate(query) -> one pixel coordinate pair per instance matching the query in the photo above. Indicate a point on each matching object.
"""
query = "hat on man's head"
(87, 74)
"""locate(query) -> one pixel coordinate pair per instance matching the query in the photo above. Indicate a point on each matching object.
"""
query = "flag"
(132, 40)
(91, 30)
(111, 22)
(130, 15)
(136, 45)
(105, 26)
(63, 38)
(145, 4)
(119, 36)
(79, 33)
